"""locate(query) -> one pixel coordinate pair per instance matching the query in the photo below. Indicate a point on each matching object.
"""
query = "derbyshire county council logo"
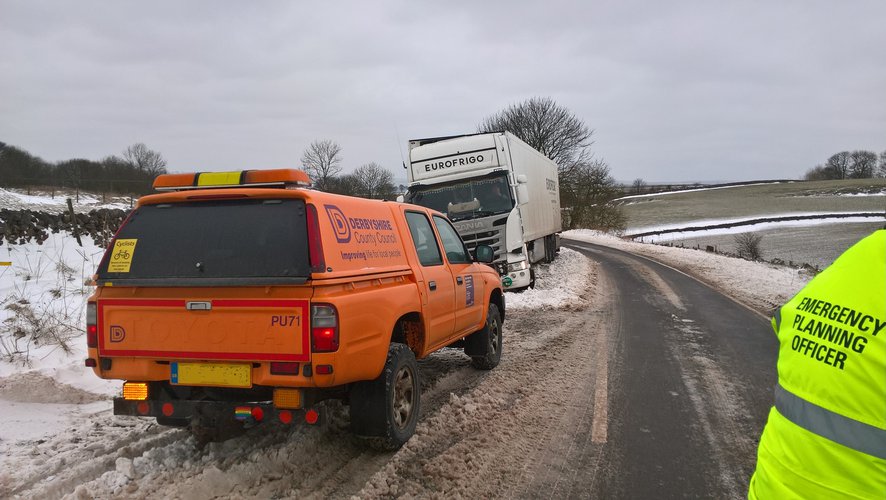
(339, 223)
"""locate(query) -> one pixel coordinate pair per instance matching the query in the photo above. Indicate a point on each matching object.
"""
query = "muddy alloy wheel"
(384, 411)
(403, 396)
(484, 347)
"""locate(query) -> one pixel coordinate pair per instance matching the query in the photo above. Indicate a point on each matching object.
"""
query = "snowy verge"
(562, 282)
(761, 286)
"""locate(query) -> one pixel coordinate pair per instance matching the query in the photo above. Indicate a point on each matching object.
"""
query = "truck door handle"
(458, 280)
(432, 285)
(198, 306)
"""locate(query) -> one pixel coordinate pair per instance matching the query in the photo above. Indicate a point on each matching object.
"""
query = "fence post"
(74, 222)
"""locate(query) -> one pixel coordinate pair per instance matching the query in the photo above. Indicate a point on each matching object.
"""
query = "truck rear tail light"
(287, 398)
(284, 368)
(135, 391)
(91, 325)
(324, 328)
(315, 243)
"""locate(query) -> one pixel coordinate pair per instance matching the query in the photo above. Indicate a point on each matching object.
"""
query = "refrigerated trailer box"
(498, 191)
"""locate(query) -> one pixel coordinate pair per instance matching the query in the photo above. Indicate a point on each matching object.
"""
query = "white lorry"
(498, 191)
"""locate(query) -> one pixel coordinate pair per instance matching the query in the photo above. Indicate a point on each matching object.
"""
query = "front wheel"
(484, 346)
(384, 411)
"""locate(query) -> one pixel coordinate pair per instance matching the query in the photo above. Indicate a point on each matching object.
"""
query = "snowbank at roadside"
(760, 285)
(562, 282)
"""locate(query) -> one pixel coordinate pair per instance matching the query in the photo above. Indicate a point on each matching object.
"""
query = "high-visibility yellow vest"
(826, 435)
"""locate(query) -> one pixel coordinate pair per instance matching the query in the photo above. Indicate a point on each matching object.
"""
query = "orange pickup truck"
(235, 298)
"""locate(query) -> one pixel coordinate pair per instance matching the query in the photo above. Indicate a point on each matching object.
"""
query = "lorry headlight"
(518, 266)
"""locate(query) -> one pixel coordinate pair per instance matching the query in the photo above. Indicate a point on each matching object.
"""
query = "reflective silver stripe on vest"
(842, 430)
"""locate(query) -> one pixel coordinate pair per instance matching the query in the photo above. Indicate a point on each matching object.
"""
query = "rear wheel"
(484, 346)
(384, 411)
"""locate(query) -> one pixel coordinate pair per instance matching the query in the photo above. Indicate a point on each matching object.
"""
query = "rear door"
(209, 280)
(437, 286)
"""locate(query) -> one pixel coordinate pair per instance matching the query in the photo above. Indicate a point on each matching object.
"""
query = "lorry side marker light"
(311, 416)
(135, 391)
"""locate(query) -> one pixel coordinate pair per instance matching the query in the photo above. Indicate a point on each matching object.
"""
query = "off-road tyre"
(484, 346)
(384, 411)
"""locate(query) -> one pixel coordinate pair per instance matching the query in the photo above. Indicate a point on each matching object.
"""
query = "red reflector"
(311, 416)
(323, 369)
(285, 417)
(143, 407)
(258, 414)
(167, 409)
(91, 363)
(91, 336)
(282, 368)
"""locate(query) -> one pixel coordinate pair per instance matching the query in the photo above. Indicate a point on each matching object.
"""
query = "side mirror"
(484, 254)
(400, 198)
(522, 193)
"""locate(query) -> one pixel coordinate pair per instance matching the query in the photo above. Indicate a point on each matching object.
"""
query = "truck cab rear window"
(213, 243)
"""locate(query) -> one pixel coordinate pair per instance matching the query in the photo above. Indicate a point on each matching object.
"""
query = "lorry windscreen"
(212, 243)
(466, 199)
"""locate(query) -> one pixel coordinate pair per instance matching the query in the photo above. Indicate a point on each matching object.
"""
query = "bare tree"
(881, 171)
(546, 126)
(747, 246)
(862, 164)
(373, 181)
(322, 161)
(840, 164)
(145, 160)
(821, 173)
(589, 190)
(637, 186)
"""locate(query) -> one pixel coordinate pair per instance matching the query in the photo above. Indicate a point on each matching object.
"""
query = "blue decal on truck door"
(469, 290)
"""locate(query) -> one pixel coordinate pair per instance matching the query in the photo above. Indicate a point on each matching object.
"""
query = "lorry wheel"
(484, 346)
(384, 411)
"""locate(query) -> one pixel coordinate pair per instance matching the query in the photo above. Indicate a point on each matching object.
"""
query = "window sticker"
(121, 256)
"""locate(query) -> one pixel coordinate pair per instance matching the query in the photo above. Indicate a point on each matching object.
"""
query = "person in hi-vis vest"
(826, 435)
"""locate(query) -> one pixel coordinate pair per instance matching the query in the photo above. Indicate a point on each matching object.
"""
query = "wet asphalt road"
(690, 377)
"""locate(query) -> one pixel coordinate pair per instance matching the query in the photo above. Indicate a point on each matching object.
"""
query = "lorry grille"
(492, 238)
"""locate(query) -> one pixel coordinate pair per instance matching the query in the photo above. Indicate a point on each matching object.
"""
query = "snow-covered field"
(60, 439)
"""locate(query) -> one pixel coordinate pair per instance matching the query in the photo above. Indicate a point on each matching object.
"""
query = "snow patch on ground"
(664, 193)
(679, 235)
(13, 200)
(824, 219)
(760, 285)
(563, 281)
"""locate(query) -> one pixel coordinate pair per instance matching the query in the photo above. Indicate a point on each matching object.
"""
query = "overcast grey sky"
(675, 91)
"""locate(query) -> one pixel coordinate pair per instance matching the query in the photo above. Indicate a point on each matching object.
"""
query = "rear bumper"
(210, 411)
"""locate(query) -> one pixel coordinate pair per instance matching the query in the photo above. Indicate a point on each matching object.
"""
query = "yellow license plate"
(211, 374)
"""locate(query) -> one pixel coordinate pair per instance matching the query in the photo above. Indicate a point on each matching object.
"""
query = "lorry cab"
(236, 297)
(497, 191)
